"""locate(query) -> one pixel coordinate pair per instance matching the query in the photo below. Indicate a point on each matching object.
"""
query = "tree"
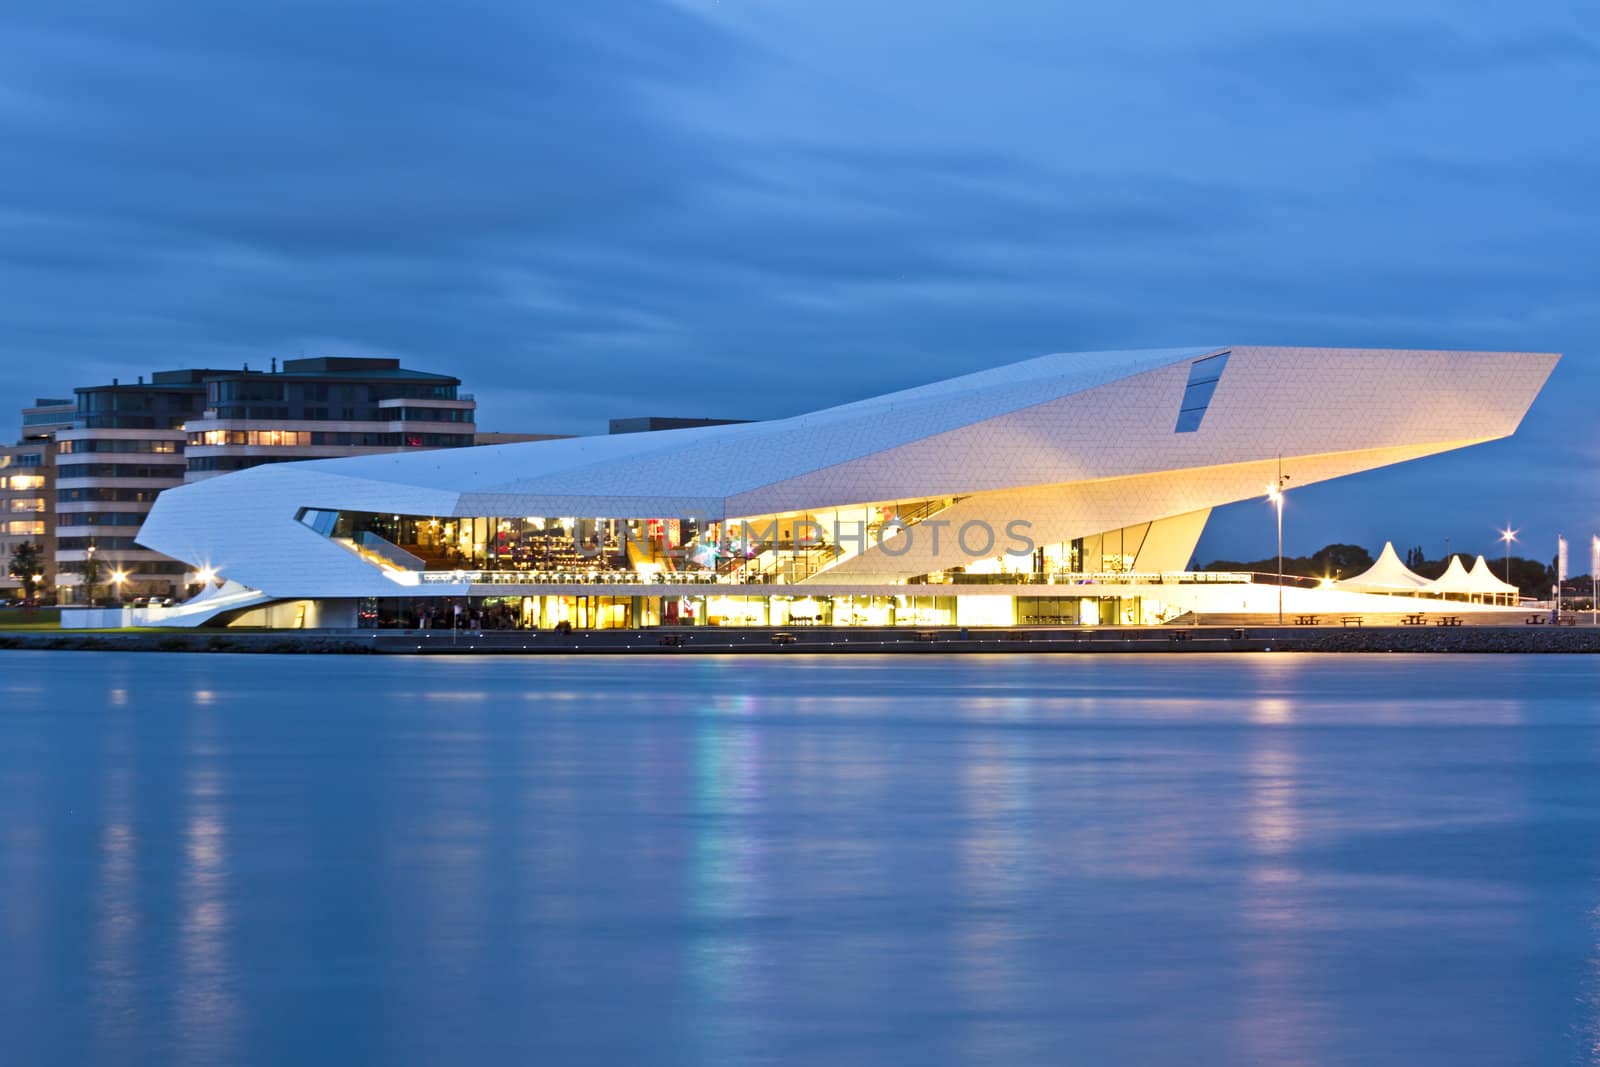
(91, 575)
(25, 566)
(1342, 561)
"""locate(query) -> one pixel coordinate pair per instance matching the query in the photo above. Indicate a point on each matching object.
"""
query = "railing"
(570, 577)
(576, 578)
(1102, 578)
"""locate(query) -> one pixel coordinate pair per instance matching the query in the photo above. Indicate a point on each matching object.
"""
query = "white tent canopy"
(1488, 583)
(1477, 584)
(1387, 575)
(1454, 581)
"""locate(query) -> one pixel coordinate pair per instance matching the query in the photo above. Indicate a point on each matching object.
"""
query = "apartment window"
(25, 528)
(25, 504)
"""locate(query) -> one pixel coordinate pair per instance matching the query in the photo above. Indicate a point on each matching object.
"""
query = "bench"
(1305, 620)
(1534, 620)
(783, 638)
(1350, 620)
(1567, 620)
(926, 635)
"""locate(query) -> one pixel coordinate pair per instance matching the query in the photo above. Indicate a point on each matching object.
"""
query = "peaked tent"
(1489, 585)
(1387, 575)
(1455, 581)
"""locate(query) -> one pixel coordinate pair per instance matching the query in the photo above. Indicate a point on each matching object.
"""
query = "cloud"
(624, 207)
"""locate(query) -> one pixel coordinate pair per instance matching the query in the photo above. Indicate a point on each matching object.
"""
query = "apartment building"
(27, 490)
(324, 408)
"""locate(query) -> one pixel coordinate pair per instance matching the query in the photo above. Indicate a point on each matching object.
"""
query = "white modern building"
(1066, 489)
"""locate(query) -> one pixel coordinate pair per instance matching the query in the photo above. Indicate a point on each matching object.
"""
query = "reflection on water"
(1254, 859)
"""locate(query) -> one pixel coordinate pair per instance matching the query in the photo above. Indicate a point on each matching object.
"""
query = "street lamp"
(1508, 535)
(117, 578)
(1275, 494)
(89, 575)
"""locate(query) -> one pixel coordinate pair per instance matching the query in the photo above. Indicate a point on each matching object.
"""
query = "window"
(22, 505)
(25, 528)
(1204, 374)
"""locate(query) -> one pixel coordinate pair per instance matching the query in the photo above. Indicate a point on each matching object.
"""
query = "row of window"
(237, 463)
(257, 391)
(169, 471)
(253, 438)
(431, 414)
(121, 401)
(106, 494)
(24, 504)
(295, 413)
(136, 571)
(101, 544)
(23, 459)
(101, 518)
(316, 438)
(117, 444)
(134, 422)
(25, 527)
(22, 483)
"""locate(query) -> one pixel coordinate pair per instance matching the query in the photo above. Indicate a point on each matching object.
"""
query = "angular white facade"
(1072, 446)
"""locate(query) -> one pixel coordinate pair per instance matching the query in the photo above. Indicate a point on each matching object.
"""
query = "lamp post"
(1508, 535)
(118, 576)
(89, 575)
(1275, 494)
(1594, 581)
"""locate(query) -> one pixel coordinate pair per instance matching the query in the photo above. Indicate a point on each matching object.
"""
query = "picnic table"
(1305, 620)
(1448, 620)
(1415, 619)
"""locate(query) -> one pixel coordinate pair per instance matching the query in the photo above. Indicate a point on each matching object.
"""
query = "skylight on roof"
(1204, 374)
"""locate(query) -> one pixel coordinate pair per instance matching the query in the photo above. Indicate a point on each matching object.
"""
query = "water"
(1184, 859)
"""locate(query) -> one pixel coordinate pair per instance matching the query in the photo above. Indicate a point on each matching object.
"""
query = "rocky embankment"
(1201, 639)
(196, 641)
(1507, 639)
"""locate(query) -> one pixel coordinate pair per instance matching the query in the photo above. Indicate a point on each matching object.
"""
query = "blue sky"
(756, 207)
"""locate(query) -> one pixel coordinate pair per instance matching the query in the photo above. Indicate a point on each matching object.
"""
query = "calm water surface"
(1182, 859)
